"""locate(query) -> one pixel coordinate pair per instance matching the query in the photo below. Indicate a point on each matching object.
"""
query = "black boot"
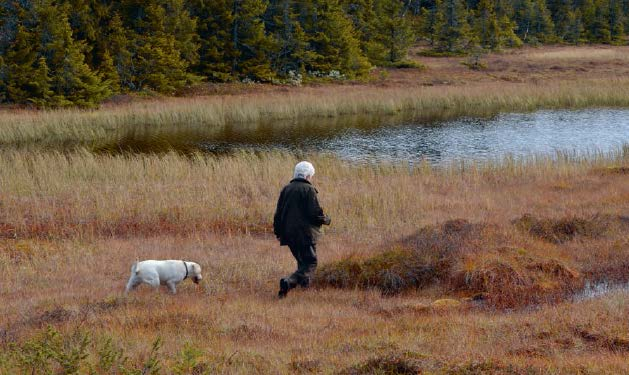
(284, 287)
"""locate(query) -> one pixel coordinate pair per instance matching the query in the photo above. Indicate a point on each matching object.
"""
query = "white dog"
(163, 272)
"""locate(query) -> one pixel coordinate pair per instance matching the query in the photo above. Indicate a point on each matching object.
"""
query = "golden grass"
(56, 194)
(72, 224)
(208, 115)
(581, 54)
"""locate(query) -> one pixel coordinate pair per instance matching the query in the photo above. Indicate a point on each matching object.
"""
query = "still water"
(518, 135)
(366, 140)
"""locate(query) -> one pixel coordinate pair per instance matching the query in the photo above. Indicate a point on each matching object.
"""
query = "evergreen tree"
(560, 11)
(157, 63)
(213, 27)
(108, 72)
(588, 12)
(250, 41)
(119, 50)
(182, 26)
(425, 24)
(486, 25)
(289, 39)
(40, 91)
(234, 43)
(20, 66)
(77, 52)
(543, 25)
(616, 21)
(534, 21)
(3, 80)
(452, 32)
(575, 32)
(392, 31)
(72, 80)
(599, 28)
(332, 43)
(508, 36)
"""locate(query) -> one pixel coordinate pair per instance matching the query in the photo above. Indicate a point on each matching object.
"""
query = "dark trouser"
(306, 256)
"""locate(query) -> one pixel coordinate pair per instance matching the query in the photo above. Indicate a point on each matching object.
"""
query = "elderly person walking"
(297, 222)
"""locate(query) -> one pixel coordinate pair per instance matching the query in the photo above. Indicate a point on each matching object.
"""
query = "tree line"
(79, 52)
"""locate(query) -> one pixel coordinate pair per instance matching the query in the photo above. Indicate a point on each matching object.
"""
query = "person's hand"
(327, 219)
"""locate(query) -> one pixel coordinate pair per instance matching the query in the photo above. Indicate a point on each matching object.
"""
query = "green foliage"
(452, 32)
(331, 39)
(486, 26)
(20, 67)
(395, 31)
(157, 62)
(51, 352)
(79, 52)
(188, 360)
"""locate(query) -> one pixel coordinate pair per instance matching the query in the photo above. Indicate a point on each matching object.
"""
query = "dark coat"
(298, 217)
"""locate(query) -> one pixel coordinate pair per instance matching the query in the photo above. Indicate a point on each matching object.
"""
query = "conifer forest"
(80, 52)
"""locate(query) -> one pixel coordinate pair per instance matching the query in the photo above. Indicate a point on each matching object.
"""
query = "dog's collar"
(185, 265)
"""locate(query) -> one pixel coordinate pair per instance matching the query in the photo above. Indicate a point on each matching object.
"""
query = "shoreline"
(208, 114)
(522, 80)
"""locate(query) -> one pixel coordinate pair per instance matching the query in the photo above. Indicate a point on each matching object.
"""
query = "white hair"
(304, 170)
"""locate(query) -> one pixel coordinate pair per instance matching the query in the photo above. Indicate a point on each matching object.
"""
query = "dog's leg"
(172, 286)
(132, 284)
(153, 282)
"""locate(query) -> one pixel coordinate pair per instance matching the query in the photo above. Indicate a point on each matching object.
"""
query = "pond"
(366, 140)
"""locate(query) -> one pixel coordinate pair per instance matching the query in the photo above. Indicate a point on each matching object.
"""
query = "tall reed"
(211, 114)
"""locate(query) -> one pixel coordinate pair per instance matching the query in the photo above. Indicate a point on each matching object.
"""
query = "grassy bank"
(209, 115)
(72, 224)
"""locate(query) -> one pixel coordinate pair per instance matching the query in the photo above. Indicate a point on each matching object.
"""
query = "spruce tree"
(119, 49)
(108, 72)
(575, 32)
(214, 25)
(542, 23)
(561, 14)
(599, 28)
(20, 67)
(534, 21)
(72, 80)
(3, 80)
(508, 36)
(40, 91)
(234, 43)
(616, 22)
(486, 25)
(157, 62)
(393, 30)
(332, 42)
(452, 33)
(183, 27)
(588, 12)
(289, 39)
(250, 41)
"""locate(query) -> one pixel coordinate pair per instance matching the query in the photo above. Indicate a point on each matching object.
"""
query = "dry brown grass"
(72, 224)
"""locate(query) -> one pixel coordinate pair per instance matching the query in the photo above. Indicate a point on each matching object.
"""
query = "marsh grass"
(72, 224)
(583, 54)
(53, 194)
(212, 115)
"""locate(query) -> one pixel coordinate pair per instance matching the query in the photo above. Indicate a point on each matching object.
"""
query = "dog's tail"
(135, 268)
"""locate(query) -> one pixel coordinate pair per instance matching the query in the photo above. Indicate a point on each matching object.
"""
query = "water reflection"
(362, 139)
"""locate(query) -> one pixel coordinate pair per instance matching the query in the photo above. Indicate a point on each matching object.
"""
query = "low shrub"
(78, 352)
(461, 258)
(387, 364)
(563, 229)
(406, 64)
